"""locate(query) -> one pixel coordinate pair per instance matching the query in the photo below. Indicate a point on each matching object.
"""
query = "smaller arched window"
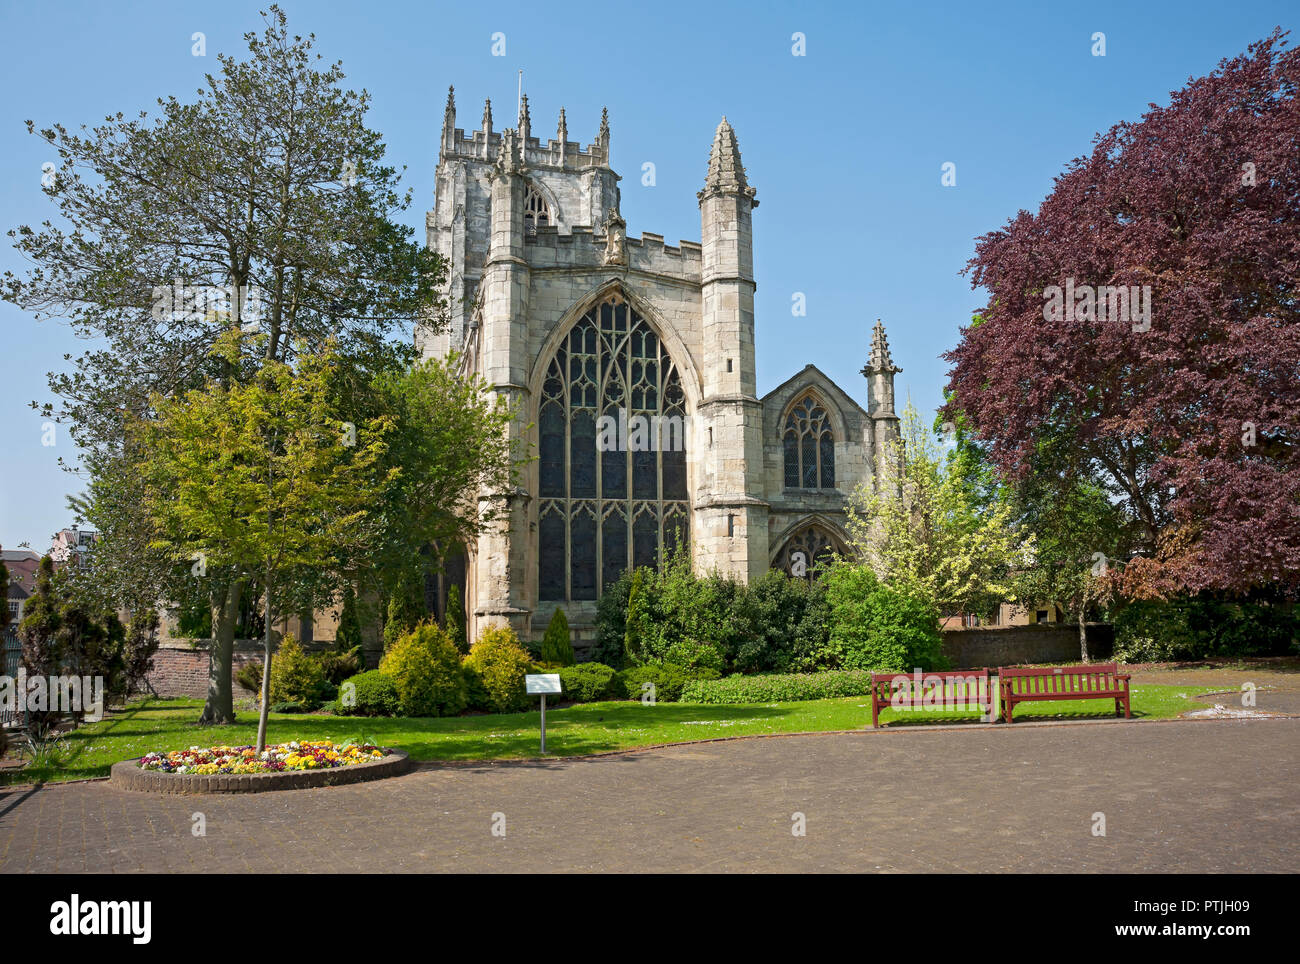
(536, 211)
(806, 552)
(809, 446)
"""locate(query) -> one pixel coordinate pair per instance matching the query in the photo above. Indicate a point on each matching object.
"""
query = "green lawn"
(589, 728)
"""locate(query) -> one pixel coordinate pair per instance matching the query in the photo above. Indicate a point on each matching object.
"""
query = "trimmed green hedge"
(374, 693)
(668, 678)
(779, 687)
(586, 682)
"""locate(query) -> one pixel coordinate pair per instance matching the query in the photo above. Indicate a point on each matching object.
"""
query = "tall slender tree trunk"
(220, 704)
(1083, 632)
(266, 674)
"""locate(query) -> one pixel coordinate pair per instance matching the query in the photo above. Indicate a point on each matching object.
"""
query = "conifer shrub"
(425, 666)
(372, 693)
(295, 676)
(455, 620)
(557, 647)
(495, 670)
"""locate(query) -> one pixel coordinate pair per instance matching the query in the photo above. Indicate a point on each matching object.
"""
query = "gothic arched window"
(536, 211)
(612, 454)
(805, 551)
(809, 446)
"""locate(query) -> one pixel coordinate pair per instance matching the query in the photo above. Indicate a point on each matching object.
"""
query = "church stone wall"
(513, 293)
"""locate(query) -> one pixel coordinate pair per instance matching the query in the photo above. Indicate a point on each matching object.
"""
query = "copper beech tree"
(1180, 393)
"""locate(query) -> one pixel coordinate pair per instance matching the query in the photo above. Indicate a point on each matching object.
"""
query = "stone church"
(581, 327)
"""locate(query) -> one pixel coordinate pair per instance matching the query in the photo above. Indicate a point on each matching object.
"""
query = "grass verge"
(588, 728)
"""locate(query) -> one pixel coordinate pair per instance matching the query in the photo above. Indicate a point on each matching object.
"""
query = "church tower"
(731, 515)
(576, 323)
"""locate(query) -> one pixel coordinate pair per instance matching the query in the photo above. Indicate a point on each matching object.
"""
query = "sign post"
(541, 684)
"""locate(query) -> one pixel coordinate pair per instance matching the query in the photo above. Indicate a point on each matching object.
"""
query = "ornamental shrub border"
(779, 687)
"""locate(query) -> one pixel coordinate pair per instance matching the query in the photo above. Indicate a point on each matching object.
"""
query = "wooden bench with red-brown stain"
(901, 689)
(1098, 681)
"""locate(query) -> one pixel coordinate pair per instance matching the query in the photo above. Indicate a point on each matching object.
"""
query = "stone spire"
(449, 122)
(562, 135)
(602, 136)
(880, 360)
(487, 128)
(726, 171)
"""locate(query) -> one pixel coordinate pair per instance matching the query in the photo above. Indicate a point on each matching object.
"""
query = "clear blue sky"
(845, 144)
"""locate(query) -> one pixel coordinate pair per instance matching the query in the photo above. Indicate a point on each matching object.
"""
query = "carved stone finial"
(880, 360)
(487, 115)
(508, 161)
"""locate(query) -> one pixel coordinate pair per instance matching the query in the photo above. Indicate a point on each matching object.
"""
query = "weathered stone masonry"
(554, 305)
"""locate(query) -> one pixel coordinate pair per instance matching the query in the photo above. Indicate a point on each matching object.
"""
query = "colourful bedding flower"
(305, 755)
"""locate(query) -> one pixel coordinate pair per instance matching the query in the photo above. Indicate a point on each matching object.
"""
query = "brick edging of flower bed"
(127, 775)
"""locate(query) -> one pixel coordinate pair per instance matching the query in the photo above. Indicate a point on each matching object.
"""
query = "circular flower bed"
(276, 758)
(241, 769)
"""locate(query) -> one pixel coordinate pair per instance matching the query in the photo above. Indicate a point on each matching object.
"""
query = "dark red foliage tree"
(1194, 422)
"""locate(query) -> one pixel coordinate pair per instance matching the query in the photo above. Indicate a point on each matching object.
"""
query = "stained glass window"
(612, 438)
(805, 551)
(809, 446)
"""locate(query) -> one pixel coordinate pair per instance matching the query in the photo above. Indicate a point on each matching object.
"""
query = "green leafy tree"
(263, 203)
(452, 441)
(925, 526)
(611, 623)
(265, 478)
(876, 626)
(557, 647)
(1078, 533)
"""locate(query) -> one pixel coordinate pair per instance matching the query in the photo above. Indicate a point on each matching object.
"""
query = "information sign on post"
(541, 684)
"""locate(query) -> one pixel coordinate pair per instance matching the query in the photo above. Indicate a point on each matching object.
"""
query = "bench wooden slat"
(1100, 681)
(963, 686)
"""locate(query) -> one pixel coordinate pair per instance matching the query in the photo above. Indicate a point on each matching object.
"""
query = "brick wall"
(1014, 645)
(179, 669)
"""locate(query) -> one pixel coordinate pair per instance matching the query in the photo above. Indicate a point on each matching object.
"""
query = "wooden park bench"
(1096, 682)
(947, 690)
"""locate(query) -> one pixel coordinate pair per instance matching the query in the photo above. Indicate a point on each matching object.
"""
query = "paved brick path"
(1178, 796)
